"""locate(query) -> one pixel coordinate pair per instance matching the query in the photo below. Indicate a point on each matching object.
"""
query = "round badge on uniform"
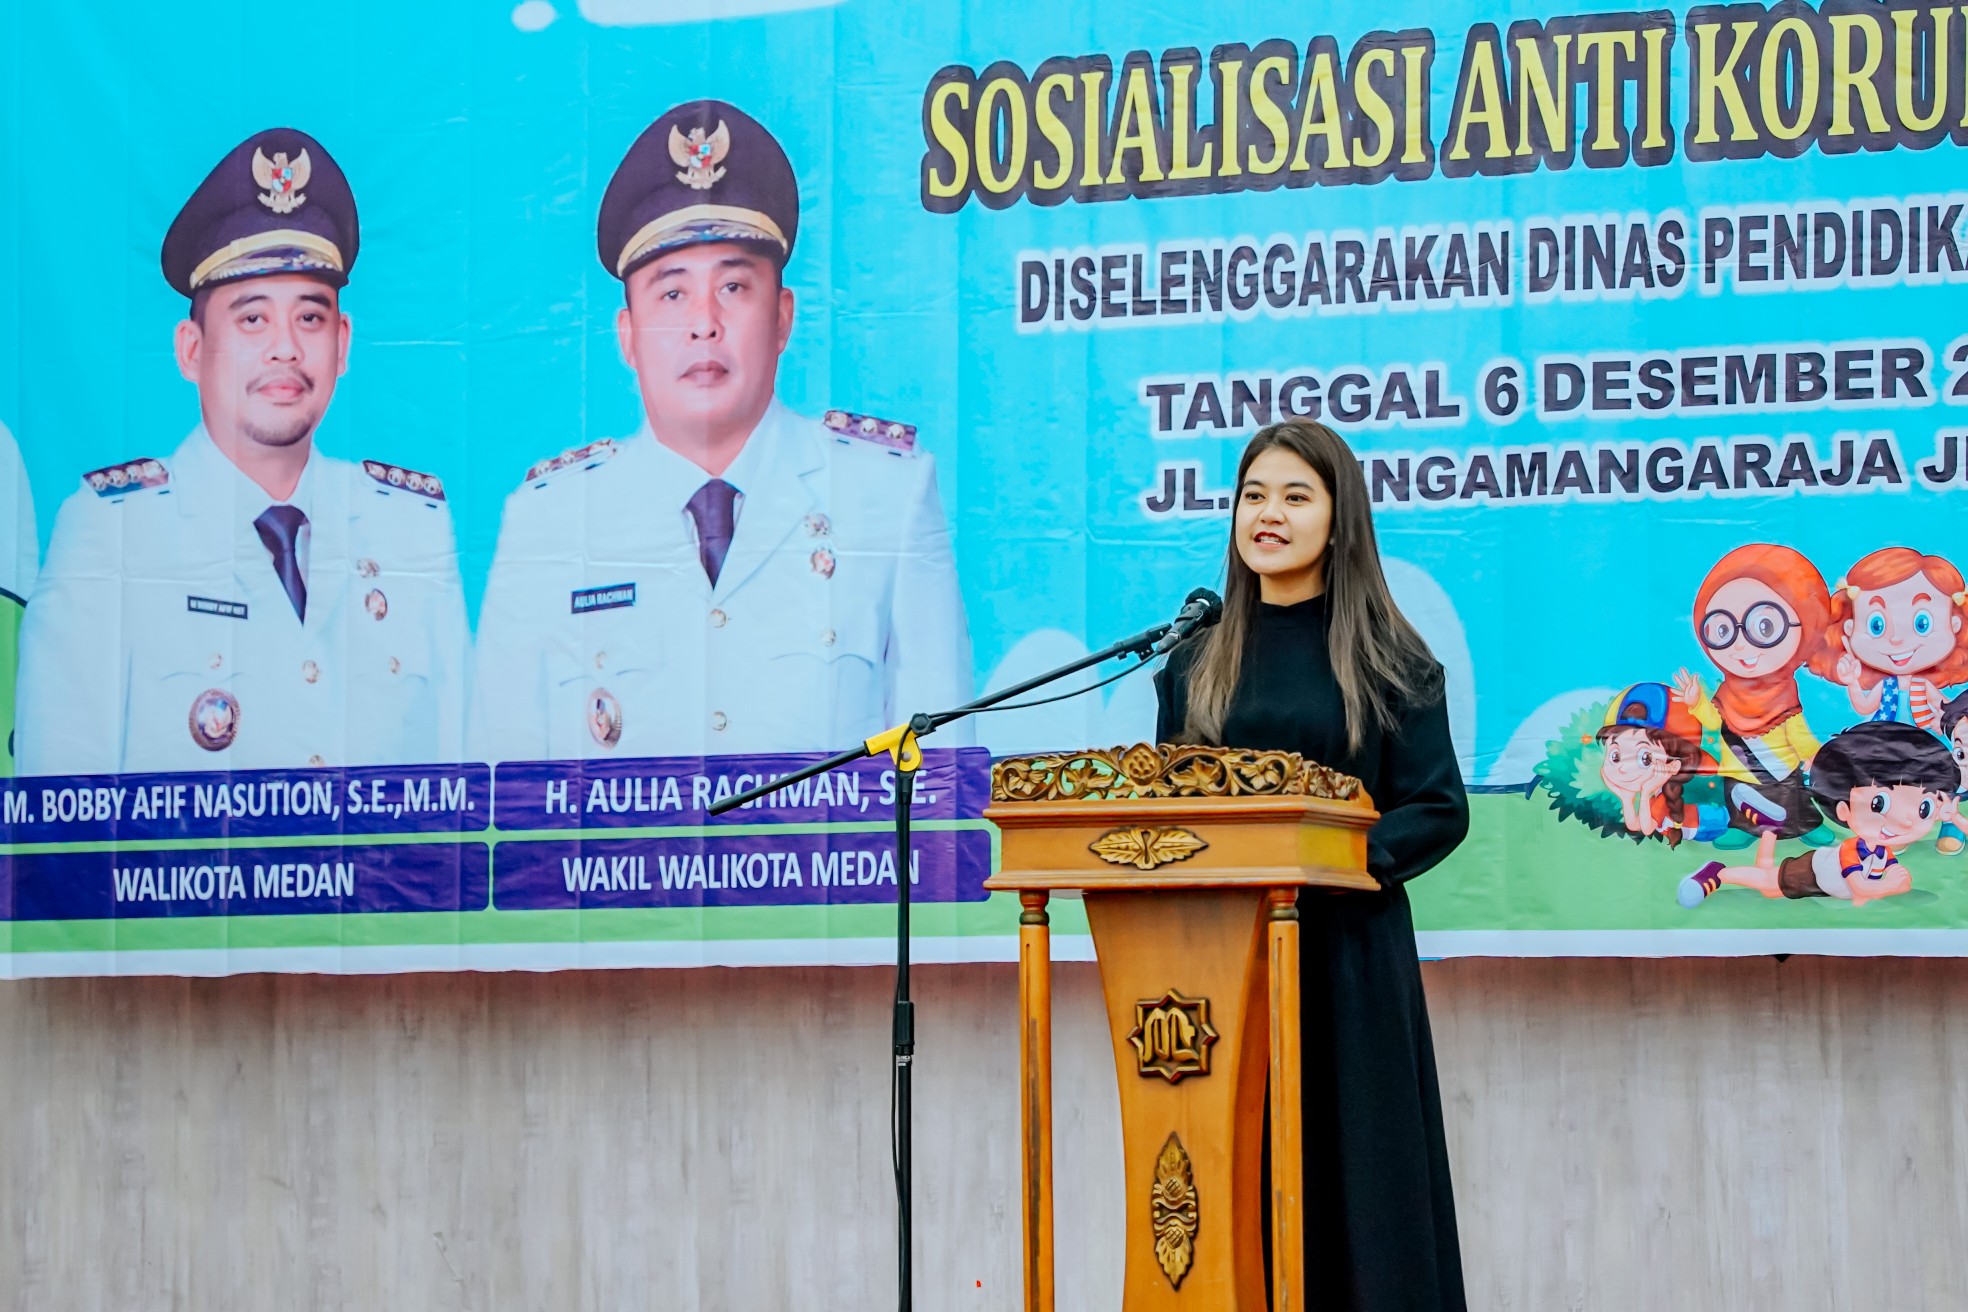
(214, 719)
(376, 604)
(823, 563)
(604, 717)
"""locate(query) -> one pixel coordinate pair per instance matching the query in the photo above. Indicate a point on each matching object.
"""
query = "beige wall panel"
(1708, 1134)
(1626, 1134)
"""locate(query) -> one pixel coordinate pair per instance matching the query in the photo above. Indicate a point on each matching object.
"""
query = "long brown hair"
(1378, 658)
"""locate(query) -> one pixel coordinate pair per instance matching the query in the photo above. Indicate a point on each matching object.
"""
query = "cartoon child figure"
(1890, 784)
(1898, 616)
(1762, 614)
(1651, 753)
(1954, 728)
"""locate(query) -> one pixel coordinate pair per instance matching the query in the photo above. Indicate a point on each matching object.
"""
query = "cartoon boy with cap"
(1651, 748)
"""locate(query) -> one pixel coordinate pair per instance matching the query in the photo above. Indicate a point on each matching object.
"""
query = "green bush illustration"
(1570, 773)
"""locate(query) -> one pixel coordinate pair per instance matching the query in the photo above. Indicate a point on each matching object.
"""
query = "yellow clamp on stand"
(900, 745)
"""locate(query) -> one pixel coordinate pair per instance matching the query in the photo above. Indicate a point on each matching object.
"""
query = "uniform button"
(316, 760)
(601, 659)
(718, 618)
(396, 666)
(217, 659)
(826, 637)
(718, 721)
(310, 671)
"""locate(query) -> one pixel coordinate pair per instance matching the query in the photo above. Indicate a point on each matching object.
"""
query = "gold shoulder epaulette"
(587, 457)
(407, 480)
(846, 426)
(128, 476)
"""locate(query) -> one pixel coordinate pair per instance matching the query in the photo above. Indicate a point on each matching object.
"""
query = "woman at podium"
(1313, 656)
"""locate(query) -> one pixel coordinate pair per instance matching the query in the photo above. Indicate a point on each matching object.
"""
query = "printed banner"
(433, 481)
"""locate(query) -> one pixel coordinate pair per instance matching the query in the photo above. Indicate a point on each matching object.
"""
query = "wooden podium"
(1190, 860)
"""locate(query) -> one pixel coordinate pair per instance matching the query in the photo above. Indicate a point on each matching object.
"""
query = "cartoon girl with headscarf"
(1762, 614)
(1897, 618)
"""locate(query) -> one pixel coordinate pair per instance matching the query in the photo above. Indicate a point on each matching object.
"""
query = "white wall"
(1626, 1135)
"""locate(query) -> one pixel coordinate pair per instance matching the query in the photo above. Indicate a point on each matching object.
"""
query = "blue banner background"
(484, 339)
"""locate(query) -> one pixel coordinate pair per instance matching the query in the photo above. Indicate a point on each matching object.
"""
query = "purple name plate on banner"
(953, 784)
(738, 870)
(246, 804)
(245, 881)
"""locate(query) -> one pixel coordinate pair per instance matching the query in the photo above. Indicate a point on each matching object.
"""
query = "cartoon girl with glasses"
(1762, 614)
(1898, 618)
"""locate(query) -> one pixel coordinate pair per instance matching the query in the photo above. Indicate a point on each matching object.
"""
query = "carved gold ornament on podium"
(1175, 1212)
(1144, 848)
(1166, 770)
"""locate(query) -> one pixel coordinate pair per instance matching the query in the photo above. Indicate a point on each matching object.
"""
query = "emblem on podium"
(1172, 1036)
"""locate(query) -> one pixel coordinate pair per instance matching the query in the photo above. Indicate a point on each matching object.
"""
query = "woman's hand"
(1688, 689)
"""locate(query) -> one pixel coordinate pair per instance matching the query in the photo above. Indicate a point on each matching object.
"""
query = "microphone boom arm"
(900, 742)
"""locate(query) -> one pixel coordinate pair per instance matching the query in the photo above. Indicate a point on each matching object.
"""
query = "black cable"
(1064, 696)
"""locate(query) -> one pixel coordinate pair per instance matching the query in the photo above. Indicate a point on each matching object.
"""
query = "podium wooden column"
(1190, 860)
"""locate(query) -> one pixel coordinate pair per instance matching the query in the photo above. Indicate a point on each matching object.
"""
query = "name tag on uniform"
(232, 610)
(611, 597)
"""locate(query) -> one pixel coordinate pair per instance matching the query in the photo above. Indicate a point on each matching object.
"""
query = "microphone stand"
(901, 745)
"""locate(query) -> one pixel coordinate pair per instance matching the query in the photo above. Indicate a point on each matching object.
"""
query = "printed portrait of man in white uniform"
(247, 601)
(732, 577)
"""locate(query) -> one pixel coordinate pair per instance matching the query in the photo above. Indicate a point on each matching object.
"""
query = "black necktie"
(711, 509)
(280, 528)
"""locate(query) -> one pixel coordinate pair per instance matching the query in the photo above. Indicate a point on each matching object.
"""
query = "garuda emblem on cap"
(283, 180)
(699, 155)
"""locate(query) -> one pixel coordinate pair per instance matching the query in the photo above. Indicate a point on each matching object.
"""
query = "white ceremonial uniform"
(19, 562)
(19, 551)
(836, 613)
(160, 617)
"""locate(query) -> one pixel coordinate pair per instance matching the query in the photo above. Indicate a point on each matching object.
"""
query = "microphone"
(1202, 609)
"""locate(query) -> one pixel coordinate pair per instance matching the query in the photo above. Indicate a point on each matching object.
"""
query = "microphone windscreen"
(1212, 604)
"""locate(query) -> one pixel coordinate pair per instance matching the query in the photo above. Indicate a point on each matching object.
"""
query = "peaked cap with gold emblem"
(705, 171)
(277, 203)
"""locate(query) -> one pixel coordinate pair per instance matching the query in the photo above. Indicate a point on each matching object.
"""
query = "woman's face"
(1284, 525)
(1903, 629)
(1748, 630)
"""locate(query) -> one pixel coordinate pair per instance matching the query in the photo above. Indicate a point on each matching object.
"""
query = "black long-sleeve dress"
(1380, 1230)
